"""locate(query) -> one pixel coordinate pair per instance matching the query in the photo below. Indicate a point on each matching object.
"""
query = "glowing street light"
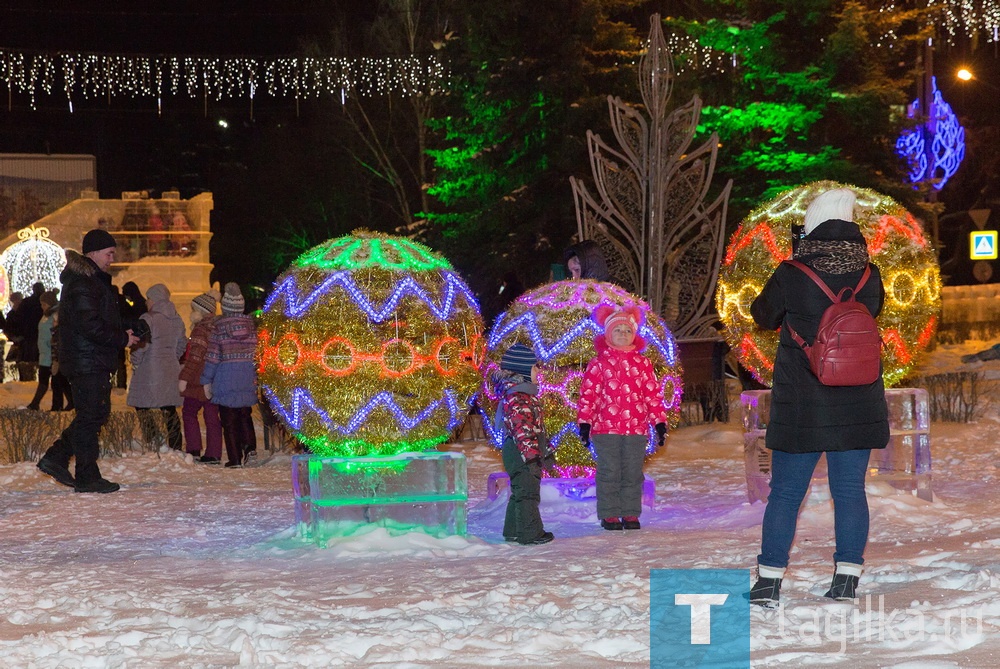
(964, 74)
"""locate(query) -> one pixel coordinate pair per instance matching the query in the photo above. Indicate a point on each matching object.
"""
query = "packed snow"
(197, 566)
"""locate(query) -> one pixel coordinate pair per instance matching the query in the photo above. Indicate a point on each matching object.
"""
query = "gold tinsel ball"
(555, 322)
(369, 345)
(896, 244)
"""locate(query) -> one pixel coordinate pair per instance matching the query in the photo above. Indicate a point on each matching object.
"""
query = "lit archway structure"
(33, 258)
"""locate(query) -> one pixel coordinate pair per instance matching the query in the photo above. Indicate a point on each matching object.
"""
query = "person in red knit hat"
(620, 398)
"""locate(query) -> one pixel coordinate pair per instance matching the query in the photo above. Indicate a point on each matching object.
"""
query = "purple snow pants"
(192, 430)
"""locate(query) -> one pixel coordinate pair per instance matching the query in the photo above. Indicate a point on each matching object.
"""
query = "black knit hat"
(97, 240)
(519, 359)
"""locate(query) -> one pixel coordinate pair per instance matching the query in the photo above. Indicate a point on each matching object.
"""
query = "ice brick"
(300, 489)
(904, 463)
(756, 409)
(424, 492)
(909, 410)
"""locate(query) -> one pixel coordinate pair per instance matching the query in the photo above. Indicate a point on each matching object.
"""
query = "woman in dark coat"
(808, 418)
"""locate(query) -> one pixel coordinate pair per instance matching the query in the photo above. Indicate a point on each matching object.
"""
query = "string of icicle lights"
(96, 76)
(958, 18)
(955, 18)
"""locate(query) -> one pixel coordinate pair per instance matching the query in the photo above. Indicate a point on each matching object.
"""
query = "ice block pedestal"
(904, 464)
(579, 489)
(425, 492)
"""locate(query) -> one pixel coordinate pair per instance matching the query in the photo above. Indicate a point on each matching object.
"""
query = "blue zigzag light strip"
(302, 401)
(296, 304)
(668, 348)
(494, 437)
(527, 320)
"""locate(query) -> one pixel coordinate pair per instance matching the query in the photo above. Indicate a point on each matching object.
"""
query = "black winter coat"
(90, 329)
(31, 313)
(592, 263)
(807, 416)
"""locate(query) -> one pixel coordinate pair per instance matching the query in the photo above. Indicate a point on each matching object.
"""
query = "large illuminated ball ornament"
(369, 345)
(555, 322)
(33, 258)
(896, 244)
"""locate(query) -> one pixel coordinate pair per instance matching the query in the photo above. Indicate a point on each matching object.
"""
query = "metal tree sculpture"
(659, 237)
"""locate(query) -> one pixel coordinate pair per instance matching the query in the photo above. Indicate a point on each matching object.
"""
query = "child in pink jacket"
(620, 398)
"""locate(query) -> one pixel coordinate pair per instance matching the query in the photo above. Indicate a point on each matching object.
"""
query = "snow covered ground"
(193, 566)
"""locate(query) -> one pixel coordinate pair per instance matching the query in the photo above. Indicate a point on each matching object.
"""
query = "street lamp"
(966, 75)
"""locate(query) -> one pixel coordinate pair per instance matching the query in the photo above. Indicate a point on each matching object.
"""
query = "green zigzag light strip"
(413, 257)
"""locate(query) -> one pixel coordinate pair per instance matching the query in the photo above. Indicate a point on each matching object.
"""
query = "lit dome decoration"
(369, 345)
(896, 244)
(934, 149)
(4, 290)
(555, 321)
(32, 259)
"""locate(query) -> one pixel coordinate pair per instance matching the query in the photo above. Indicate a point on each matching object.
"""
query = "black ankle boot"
(766, 591)
(843, 588)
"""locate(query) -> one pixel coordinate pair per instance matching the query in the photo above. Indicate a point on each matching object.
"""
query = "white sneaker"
(250, 459)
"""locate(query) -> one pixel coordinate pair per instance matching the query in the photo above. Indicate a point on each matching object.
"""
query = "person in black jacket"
(808, 418)
(585, 260)
(13, 328)
(31, 313)
(90, 337)
(131, 306)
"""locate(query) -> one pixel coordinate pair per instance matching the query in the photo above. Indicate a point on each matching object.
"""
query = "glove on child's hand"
(585, 433)
(661, 433)
(549, 462)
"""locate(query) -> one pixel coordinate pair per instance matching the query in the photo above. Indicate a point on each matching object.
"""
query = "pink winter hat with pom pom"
(608, 317)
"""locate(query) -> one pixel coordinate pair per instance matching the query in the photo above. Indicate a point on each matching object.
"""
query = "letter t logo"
(701, 613)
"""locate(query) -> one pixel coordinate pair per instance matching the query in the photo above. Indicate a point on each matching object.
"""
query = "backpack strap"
(864, 278)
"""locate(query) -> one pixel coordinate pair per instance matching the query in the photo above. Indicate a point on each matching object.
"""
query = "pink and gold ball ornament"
(370, 345)
(896, 244)
(555, 322)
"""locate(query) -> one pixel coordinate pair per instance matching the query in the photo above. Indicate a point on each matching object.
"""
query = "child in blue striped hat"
(519, 419)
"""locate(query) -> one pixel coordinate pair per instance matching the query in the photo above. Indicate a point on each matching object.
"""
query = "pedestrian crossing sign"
(983, 245)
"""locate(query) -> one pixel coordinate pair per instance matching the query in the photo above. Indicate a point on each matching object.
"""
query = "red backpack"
(848, 349)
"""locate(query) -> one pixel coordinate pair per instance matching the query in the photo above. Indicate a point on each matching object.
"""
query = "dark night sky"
(239, 27)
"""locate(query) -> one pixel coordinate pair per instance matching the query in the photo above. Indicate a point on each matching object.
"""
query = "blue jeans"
(790, 477)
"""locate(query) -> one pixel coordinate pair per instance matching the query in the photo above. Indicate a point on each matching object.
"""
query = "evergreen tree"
(523, 90)
(817, 93)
